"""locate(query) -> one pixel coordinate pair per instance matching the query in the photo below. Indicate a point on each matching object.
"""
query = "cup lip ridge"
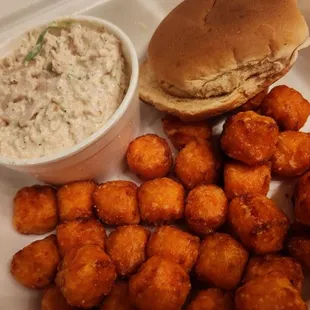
(113, 120)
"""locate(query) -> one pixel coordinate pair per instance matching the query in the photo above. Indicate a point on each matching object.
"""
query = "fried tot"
(75, 200)
(174, 244)
(211, 299)
(35, 210)
(269, 292)
(240, 179)
(161, 201)
(250, 137)
(159, 284)
(116, 203)
(126, 246)
(35, 266)
(292, 155)
(254, 103)
(260, 266)
(80, 232)
(149, 157)
(180, 133)
(118, 299)
(53, 300)
(197, 163)
(221, 261)
(258, 222)
(298, 245)
(287, 107)
(302, 200)
(85, 276)
(206, 209)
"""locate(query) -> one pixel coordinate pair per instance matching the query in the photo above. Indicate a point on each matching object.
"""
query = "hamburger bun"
(211, 56)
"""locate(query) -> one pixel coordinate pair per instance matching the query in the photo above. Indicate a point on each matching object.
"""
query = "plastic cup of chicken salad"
(69, 101)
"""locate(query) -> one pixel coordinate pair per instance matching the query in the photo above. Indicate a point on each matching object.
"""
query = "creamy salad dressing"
(66, 93)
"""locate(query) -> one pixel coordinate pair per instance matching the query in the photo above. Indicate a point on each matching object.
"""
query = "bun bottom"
(196, 109)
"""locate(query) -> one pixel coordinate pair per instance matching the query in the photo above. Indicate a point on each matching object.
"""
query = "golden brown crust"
(35, 210)
(204, 42)
(159, 284)
(117, 202)
(221, 261)
(85, 276)
(197, 163)
(292, 154)
(180, 133)
(254, 103)
(149, 157)
(287, 107)
(298, 246)
(211, 299)
(302, 200)
(206, 209)
(127, 248)
(258, 222)
(240, 179)
(52, 299)
(269, 292)
(250, 137)
(75, 200)
(259, 266)
(174, 244)
(80, 232)
(118, 299)
(35, 266)
(161, 201)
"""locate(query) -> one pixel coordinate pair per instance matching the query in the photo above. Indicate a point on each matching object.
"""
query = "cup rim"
(133, 83)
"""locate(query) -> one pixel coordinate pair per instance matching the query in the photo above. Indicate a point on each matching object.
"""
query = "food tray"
(139, 19)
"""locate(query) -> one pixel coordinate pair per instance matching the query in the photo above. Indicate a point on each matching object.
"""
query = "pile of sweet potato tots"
(199, 233)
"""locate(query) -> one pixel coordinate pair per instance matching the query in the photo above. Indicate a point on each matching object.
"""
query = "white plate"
(138, 18)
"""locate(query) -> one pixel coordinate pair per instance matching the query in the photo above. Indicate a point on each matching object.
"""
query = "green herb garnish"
(39, 44)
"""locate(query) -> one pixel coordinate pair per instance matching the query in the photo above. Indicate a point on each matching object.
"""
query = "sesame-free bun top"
(208, 48)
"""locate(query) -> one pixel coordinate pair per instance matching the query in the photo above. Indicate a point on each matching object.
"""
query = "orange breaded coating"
(254, 103)
(221, 261)
(75, 200)
(298, 246)
(269, 292)
(258, 222)
(35, 210)
(36, 264)
(292, 155)
(118, 299)
(126, 246)
(206, 209)
(174, 244)
(289, 267)
(161, 201)
(149, 157)
(85, 276)
(302, 200)
(180, 133)
(159, 284)
(80, 232)
(197, 163)
(287, 107)
(250, 137)
(240, 179)
(211, 299)
(116, 202)
(52, 299)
